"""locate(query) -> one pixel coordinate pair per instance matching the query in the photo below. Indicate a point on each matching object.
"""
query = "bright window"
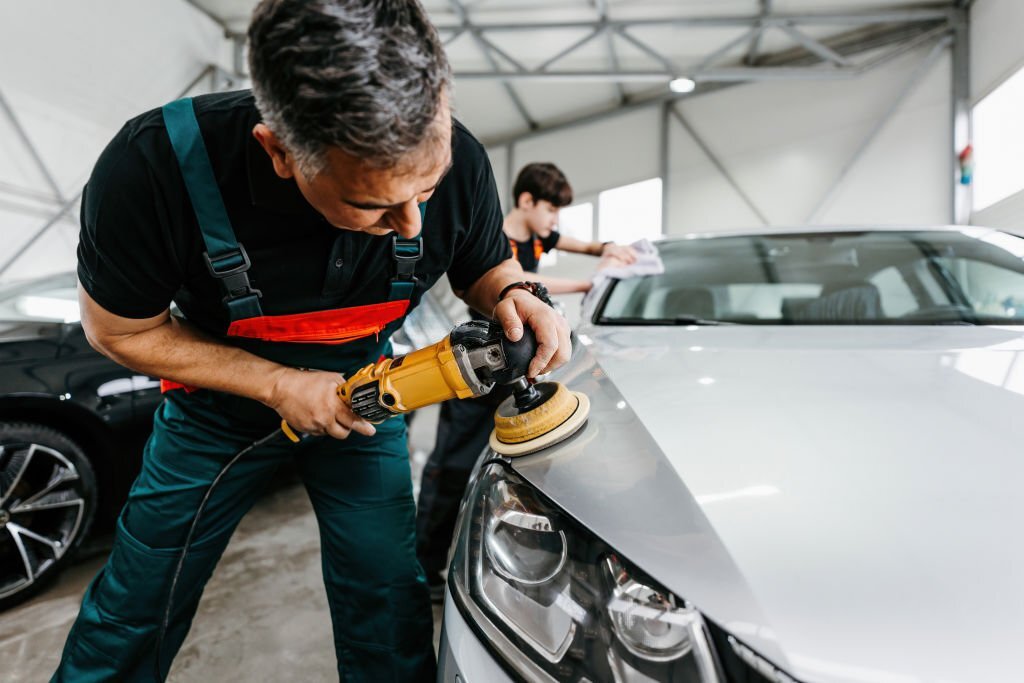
(577, 221)
(999, 143)
(631, 212)
(573, 221)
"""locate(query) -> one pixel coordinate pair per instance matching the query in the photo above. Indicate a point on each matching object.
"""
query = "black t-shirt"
(141, 248)
(526, 254)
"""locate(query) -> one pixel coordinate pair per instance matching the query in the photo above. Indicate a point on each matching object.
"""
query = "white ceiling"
(497, 109)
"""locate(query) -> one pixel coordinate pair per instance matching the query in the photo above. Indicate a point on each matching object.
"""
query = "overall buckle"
(405, 263)
(234, 279)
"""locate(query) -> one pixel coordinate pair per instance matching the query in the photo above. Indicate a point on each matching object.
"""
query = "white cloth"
(648, 262)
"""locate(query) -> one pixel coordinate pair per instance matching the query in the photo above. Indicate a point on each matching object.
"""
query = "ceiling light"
(682, 85)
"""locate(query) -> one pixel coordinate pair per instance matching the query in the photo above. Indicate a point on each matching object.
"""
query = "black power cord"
(157, 669)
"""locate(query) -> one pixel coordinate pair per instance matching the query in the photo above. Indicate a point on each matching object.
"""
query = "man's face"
(541, 215)
(351, 195)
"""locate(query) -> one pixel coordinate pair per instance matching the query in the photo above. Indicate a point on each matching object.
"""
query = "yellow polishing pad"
(554, 420)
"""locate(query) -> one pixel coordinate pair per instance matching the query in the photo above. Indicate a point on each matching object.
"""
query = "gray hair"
(365, 76)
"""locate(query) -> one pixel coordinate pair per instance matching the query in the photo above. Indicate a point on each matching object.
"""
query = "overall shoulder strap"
(406, 252)
(225, 256)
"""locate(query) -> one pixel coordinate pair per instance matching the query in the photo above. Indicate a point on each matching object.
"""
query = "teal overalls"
(360, 487)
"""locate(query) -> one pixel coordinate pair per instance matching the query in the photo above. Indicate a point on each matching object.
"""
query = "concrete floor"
(263, 616)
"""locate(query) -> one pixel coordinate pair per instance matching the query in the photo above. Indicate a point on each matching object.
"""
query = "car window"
(969, 276)
(989, 289)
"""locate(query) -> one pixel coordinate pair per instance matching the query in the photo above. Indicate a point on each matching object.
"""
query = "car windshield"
(49, 299)
(853, 278)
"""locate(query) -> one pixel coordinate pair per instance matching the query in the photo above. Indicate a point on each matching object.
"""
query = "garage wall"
(785, 143)
(997, 52)
(71, 87)
(996, 48)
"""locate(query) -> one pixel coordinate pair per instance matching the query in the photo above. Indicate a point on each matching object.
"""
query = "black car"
(72, 427)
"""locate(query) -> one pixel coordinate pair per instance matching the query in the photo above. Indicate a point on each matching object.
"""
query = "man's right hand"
(308, 401)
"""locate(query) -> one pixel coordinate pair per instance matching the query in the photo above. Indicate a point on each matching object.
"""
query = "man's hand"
(308, 401)
(552, 331)
(623, 252)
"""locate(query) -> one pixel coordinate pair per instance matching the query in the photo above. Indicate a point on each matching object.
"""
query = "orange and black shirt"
(528, 253)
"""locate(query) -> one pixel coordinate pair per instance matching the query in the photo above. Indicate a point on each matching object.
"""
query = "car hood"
(842, 499)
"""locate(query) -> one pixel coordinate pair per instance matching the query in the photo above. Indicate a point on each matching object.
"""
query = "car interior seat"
(843, 302)
(697, 302)
(793, 306)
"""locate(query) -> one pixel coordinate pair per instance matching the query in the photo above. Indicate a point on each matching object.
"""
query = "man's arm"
(170, 348)
(520, 307)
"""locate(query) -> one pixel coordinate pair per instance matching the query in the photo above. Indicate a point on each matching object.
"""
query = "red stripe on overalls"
(337, 326)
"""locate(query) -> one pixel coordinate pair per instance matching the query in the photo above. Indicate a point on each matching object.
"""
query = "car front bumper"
(462, 657)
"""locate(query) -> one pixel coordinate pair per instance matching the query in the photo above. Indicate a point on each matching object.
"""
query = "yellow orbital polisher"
(473, 359)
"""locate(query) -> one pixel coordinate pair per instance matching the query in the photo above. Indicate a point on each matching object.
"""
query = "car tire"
(48, 499)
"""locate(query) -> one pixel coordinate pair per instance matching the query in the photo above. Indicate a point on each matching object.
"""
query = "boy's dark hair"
(543, 181)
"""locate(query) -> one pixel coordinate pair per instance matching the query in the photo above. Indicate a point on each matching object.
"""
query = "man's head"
(354, 100)
(540, 191)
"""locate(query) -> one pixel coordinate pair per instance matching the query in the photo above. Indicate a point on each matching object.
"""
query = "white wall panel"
(903, 177)
(996, 46)
(785, 144)
(700, 198)
(997, 52)
(602, 155)
(1007, 214)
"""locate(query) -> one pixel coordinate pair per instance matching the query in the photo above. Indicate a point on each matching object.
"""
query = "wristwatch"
(535, 288)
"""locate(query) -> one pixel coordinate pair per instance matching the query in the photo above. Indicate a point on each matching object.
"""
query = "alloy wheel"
(42, 507)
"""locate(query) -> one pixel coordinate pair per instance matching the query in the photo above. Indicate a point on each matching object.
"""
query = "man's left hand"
(520, 307)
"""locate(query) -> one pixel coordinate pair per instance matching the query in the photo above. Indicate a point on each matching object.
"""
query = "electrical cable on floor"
(159, 676)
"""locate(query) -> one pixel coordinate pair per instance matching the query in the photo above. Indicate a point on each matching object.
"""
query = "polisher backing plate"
(563, 430)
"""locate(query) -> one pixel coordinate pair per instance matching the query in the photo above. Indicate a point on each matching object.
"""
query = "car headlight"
(571, 606)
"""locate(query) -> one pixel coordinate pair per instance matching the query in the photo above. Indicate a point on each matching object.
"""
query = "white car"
(804, 462)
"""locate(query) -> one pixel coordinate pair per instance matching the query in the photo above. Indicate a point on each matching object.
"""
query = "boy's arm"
(561, 285)
(624, 253)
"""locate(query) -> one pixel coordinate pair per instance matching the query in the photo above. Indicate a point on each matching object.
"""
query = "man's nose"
(406, 220)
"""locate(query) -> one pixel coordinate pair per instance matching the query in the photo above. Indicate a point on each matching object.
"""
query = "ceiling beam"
(901, 39)
(592, 76)
(31, 148)
(710, 60)
(811, 45)
(572, 48)
(798, 63)
(486, 47)
(198, 6)
(755, 41)
(909, 15)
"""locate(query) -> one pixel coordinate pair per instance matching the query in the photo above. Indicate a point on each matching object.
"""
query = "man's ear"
(284, 165)
(524, 201)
